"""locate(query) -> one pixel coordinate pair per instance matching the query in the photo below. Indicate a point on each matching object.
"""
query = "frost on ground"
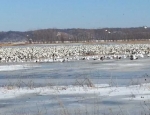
(135, 92)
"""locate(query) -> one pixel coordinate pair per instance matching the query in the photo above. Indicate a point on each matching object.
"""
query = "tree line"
(77, 35)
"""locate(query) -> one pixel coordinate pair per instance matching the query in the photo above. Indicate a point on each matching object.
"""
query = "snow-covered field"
(134, 92)
(72, 98)
(115, 86)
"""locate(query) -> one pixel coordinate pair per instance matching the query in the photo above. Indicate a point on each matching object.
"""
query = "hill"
(76, 35)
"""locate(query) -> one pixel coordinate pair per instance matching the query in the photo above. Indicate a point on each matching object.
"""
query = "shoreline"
(67, 43)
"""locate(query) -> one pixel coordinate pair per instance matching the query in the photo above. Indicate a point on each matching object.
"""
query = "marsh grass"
(95, 107)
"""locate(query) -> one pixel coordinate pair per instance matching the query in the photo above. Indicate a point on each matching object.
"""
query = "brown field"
(91, 42)
(12, 44)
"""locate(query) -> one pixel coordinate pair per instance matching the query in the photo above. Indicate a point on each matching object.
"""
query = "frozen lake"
(113, 72)
(66, 73)
(116, 73)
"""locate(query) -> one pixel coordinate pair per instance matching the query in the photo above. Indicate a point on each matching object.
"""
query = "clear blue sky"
(24, 15)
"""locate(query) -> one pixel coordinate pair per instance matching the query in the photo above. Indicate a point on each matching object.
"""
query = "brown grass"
(90, 43)
(12, 44)
(134, 42)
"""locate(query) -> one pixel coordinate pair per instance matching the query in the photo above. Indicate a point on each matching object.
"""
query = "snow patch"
(15, 67)
(136, 92)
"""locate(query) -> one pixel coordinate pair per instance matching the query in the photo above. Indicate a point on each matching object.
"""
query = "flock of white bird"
(73, 52)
